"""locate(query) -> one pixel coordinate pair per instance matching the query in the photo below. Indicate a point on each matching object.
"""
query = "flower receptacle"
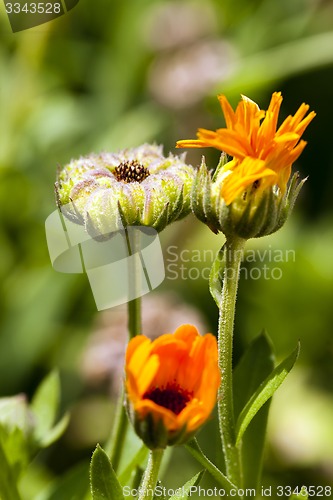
(252, 214)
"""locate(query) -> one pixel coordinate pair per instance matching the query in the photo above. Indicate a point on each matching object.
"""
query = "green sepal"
(289, 199)
(223, 161)
(255, 365)
(180, 437)
(270, 222)
(200, 190)
(151, 431)
(187, 487)
(177, 208)
(264, 392)
(205, 184)
(264, 220)
(215, 276)
(250, 224)
(162, 219)
(104, 484)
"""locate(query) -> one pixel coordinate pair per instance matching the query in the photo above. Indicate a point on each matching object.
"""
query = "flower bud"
(139, 186)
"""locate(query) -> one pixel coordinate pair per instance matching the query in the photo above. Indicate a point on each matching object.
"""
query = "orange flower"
(262, 154)
(171, 384)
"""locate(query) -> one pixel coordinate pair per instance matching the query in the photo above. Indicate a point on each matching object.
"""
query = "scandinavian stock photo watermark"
(194, 264)
(277, 491)
(112, 258)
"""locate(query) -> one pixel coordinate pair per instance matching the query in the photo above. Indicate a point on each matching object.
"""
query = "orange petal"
(138, 352)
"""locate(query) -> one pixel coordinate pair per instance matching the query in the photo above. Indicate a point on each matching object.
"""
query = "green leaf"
(255, 365)
(188, 487)
(53, 434)
(264, 392)
(137, 461)
(104, 483)
(137, 478)
(195, 450)
(215, 277)
(45, 404)
(8, 489)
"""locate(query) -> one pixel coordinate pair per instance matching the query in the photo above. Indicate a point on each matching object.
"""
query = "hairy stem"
(151, 474)
(234, 248)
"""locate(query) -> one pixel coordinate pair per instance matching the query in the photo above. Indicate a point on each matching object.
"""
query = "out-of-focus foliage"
(110, 75)
(25, 429)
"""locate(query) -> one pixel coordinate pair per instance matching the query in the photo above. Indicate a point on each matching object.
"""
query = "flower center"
(173, 397)
(131, 171)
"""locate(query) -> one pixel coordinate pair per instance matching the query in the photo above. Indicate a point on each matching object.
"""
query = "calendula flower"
(139, 186)
(171, 385)
(260, 168)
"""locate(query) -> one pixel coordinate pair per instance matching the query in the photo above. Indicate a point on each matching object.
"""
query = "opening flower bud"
(171, 385)
(138, 186)
(250, 195)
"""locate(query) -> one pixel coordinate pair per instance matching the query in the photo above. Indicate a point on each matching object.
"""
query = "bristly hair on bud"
(252, 215)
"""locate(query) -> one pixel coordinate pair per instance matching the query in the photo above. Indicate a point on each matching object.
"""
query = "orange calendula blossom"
(171, 385)
(262, 153)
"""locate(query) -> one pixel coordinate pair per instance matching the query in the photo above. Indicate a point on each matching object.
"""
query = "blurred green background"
(110, 75)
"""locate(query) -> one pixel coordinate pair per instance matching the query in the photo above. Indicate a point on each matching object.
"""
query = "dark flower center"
(173, 397)
(131, 171)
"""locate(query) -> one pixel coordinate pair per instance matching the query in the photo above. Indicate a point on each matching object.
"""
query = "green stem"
(116, 442)
(234, 248)
(118, 436)
(134, 317)
(134, 283)
(151, 474)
